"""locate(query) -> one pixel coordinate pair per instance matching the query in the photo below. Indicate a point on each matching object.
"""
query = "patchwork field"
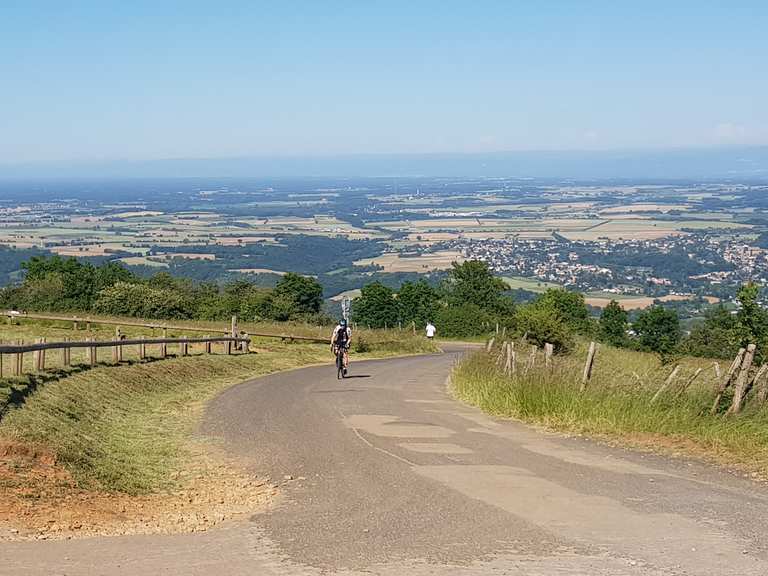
(393, 262)
(601, 300)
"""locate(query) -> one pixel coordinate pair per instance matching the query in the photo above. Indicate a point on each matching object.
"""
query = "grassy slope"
(124, 428)
(617, 405)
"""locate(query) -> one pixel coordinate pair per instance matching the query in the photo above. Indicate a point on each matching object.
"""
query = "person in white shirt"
(431, 330)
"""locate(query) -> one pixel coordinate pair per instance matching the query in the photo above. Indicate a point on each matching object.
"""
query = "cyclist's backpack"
(341, 337)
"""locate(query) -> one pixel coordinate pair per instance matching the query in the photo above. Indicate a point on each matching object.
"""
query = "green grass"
(617, 404)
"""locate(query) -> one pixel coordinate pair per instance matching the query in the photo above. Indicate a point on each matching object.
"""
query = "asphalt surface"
(384, 473)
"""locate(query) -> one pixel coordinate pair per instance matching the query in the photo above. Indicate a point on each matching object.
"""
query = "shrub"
(542, 325)
(462, 321)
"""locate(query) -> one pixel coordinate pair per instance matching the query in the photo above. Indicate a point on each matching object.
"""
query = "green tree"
(462, 321)
(614, 322)
(144, 301)
(542, 324)
(657, 329)
(418, 302)
(752, 319)
(569, 307)
(376, 307)
(305, 292)
(472, 282)
(718, 336)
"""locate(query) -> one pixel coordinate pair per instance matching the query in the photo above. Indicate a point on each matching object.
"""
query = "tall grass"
(618, 403)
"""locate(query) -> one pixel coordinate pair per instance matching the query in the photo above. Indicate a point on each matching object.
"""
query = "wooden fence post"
(688, 382)
(667, 382)
(587, 374)
(740, 387)
(65, 355)
(41, 357)
(1, 366)
(18, 364)
(508, 360)
(164, 346)
(755, 383)
(119, 336)
(36, 356)
(184, 347)
(229, 346)
(727, 380)
(94, 355)
(489, 346)
(548, 351)
(207, 345)
(233, 330)
(531, 360)
(762, 391)
(143, 351)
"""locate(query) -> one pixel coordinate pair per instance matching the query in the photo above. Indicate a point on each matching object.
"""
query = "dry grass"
(618, 404)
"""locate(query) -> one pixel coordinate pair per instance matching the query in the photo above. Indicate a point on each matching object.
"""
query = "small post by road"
(727, 380)
(233, 330)
(587, 374)
(740, 387)
(508, 359)
(667, 382)
(65, 360)
(688, 382)
(548, 351)
(762, 391)
(18, 364)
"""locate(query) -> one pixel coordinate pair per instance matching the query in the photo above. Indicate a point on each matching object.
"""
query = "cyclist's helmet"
(343, 323)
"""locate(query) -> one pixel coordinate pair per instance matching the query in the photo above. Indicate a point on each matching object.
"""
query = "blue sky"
(150, 80)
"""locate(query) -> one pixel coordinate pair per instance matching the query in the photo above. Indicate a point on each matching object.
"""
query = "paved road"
(389, 475)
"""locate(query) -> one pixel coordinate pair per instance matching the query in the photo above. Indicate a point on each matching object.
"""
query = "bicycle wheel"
(339, 366)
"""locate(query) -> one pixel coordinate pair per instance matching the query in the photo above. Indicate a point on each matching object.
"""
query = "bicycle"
(341, 371)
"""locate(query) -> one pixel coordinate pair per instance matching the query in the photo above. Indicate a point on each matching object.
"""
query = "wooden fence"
(742, 376)
(39, 349)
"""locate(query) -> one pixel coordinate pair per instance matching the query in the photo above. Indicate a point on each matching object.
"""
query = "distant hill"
(682, 163)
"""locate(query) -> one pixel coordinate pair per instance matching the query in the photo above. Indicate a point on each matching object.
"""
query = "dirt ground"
(39, 500)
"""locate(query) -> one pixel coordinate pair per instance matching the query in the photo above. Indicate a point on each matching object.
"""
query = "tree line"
(473, 302)
(58, 284)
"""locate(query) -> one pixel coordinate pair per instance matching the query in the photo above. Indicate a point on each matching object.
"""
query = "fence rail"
(41, 347)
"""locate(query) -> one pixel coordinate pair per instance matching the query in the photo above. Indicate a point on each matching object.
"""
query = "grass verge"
(617, 405)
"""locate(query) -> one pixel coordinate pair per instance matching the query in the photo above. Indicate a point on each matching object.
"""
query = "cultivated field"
(393, 262)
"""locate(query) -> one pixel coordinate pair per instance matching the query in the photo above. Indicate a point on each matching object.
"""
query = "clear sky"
(115, 79)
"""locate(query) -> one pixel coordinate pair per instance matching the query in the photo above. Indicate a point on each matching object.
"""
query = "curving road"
(383, 473)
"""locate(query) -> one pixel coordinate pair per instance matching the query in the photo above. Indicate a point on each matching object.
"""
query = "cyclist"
(341, 340)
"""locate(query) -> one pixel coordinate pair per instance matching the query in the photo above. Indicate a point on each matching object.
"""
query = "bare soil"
(39, 500)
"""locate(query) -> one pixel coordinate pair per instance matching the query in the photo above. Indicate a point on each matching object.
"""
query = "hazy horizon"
(680, 163)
